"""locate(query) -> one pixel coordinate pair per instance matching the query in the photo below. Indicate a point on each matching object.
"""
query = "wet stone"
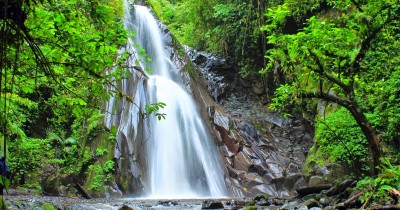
(315, 180)
(278, 202)
(167, 203)
(324, 201)
(311, 203)
(125, 207)
(210, 204)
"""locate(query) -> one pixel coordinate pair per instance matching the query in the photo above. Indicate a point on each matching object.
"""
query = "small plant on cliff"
(154, 108)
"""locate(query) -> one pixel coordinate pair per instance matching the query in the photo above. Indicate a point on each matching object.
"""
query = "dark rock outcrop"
(263, 152)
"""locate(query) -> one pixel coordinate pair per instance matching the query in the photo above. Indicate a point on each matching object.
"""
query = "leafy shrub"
(339, 139)
(378, 189)
(26, 156)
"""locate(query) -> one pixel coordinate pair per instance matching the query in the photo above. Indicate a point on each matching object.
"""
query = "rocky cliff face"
(262, 152)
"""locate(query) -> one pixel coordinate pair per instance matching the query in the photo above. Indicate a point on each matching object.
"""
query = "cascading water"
(181, 160)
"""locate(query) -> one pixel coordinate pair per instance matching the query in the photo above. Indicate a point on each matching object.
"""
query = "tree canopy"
(336, 57)
(53, 58)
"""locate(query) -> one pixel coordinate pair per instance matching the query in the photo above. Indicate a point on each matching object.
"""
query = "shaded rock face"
(263, 152)
(212, 68)
(269, 161)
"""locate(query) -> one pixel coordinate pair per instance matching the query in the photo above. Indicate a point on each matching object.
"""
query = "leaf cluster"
(377, 189)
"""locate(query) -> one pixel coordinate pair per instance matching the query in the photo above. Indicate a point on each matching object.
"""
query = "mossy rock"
(250, 203)
(259, 197)
(250, 208)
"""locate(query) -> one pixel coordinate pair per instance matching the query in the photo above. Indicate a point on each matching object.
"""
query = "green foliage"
(108, 166)
(48, 207)
(97, 182)
(250, 203)
(49, 107)
(100, 175)
(378, 188)
(5, 182)
(282, 98)
(340, 54)
(101, 151)
(250, 208)
(229, 28)
(28, 155)
(154, 108)
(338, 139)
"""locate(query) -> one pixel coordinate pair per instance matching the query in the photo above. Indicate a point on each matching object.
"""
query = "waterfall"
(180, 159)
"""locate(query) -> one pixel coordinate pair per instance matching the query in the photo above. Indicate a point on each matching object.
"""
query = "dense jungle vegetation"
(334, 61)
(53, 59)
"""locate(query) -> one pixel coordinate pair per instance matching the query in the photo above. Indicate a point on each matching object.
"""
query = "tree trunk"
(369, 133)
(362, 121)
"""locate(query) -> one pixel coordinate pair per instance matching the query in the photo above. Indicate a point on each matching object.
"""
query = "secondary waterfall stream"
(180, 158)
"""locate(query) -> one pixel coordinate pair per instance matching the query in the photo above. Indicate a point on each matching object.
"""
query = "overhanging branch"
(328, 97)
(321, 71)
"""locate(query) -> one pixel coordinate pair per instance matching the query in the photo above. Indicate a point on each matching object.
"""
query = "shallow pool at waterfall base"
(40, 202)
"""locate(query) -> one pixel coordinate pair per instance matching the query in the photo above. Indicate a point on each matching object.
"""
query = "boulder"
(212, 204)
(50, 180)
(274, 168)
(242, 162)
(125, 207)
(228, 160)
(293, 168)
(310, 203)
(306, 190)
(258, 88)
(291, 180)
(325, 201)
(335, 172)
(252, 179)
(315, 180)
(300, 183)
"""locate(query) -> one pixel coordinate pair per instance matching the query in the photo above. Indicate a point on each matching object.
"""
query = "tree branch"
(328, 97)
(357, 5)
(321, 71)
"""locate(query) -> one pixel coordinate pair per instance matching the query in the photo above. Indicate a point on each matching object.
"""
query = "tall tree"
(329, 58)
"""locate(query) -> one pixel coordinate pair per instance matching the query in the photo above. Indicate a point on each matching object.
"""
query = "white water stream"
(181, 160)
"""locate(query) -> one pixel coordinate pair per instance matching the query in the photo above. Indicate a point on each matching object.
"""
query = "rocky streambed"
(319, 197)
(312, 202)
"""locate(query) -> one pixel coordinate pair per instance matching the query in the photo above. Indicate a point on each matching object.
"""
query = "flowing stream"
(181, 160)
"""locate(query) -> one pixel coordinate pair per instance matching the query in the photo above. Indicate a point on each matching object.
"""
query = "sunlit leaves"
(154, 108)
(276, 18)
